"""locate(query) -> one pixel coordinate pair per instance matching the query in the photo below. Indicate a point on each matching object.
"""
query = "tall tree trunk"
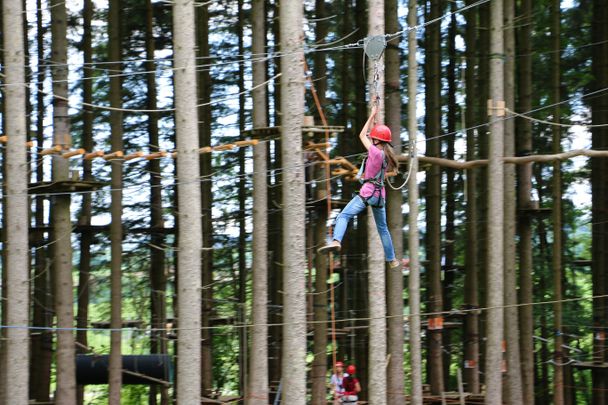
(514, 392)
(599, 200)
(394, 279)
(257, 394)
(319, 366)
(158, 278)
(450, 192)
(558, 371)
(413, 238)
(242, 195)
(294, 204)
(42, 342)
(61, 223)
(114, 50)
(495, 285)
(275, 231)
(471, 283)
(17, 211)
(189, 206)
(86, 238)
(433, 192)
(204, 91)
(524, 145)
(375, 255)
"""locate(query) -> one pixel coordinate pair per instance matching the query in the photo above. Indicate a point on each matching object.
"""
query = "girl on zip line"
(379, 162)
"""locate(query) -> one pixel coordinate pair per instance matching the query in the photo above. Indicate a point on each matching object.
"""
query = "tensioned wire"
(278, 170)
(313, 322)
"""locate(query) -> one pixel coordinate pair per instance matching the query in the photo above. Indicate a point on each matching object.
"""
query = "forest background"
(119, 78)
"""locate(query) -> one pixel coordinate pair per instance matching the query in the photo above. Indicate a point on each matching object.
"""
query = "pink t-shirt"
(374, 164)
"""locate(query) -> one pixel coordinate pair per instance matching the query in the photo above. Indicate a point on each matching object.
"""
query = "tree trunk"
(558, 371)
(450, 192)
(599, 200)
(413, 238)
(189, 206)
(394, 279)
(319, 365)
(204, 83)
(375, 255)
(432, 68)
(524, 144)
(17, 211)
(42, 342)
(514, 394)
(61, 222)
(294, 204)
(158, 278)
(86, 238)
(471, 283)
(495, 286)
(242, 195)
(257, 394)
(114, 51)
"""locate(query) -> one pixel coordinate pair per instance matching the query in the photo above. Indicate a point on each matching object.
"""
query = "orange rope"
(328, 191)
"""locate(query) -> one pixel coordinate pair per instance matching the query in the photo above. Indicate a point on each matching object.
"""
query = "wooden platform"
(308, 131)
(125, 324)
(64, 186)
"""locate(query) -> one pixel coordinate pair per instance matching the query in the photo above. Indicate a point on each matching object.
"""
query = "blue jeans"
(354, 207)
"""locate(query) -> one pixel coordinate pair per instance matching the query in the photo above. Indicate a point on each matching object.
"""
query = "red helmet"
(351, 369)
(339, 364)
(381, 133)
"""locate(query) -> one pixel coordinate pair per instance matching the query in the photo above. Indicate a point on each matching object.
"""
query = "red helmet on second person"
(381, 133)
(351, 369)
(339, 364)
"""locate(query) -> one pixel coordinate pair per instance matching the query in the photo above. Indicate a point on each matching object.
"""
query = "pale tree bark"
(257, 393)
(524, 145)
(293, 361)
(116, 144)
(375, 255)
(204, 93)
(513, 392)
(413, 238)
(189, 206)
(42, 343)
(86, 239)
(61, 223)
(17, 208)
(432, 81)
(319, 229)
(158, 278)
(495, 278)
(471, 283)
(394, 279)
(556, 258)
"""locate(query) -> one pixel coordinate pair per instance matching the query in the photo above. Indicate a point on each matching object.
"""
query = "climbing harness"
(377, 201)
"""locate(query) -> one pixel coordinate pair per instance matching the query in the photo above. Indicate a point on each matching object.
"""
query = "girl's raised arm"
(363, 134)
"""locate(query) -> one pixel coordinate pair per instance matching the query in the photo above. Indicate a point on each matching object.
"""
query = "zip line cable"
(313, 322)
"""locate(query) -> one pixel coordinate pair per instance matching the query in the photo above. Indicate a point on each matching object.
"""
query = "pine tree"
(17, 212)
(189, 206)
